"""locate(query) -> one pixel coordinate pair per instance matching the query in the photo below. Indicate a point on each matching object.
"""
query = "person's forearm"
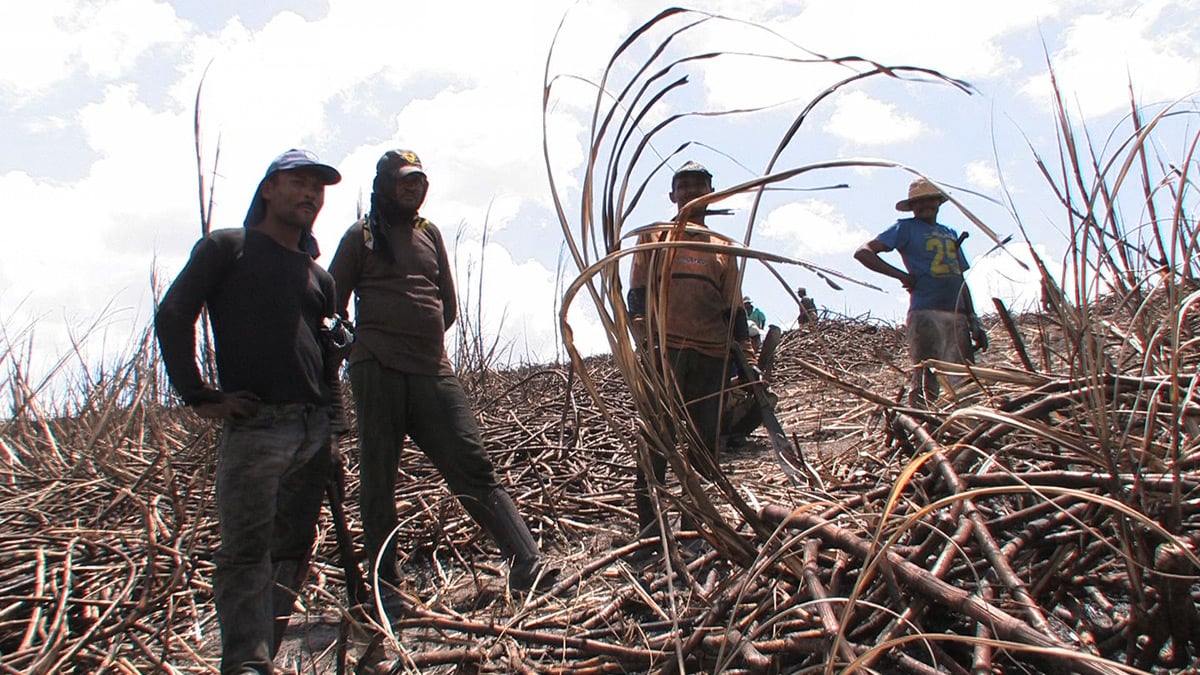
(873, 262)
(964, 300)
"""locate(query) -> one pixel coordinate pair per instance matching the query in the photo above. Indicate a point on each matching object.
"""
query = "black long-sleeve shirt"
(266, 303)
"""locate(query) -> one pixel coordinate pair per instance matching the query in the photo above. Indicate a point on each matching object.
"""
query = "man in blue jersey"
(941, 321)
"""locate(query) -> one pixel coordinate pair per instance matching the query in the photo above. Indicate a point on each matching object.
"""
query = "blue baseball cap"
(298, 159)
(289, 161)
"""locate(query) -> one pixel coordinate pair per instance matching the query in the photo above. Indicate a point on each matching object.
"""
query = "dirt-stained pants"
(700, 379)
(271, 474)
(435, 412)
(936, 334)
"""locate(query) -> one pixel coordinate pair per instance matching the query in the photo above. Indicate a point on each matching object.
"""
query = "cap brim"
(406, 170)
(329, 175)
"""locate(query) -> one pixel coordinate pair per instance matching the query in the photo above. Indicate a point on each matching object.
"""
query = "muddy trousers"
(432, 410)
(271, 474)
(935, 334)
(700, 379)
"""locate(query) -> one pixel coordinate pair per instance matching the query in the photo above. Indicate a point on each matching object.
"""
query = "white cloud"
(1000, 275)
(812, 228)
(45, 42)
(34, 50)
(470, 106)
(265, 91)
(982, 175)
(92, 244)
(867, 121)
(519, 301)
(960, 39)
(112, 35)
(1153, 45)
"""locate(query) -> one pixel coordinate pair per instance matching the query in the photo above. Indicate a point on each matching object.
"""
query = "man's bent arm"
(868, 255)
(175, 323)
(345, 268)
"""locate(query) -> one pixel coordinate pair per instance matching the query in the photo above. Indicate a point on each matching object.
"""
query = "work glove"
(751, 358)
(978, 336)
(637, 328)
(750, 352)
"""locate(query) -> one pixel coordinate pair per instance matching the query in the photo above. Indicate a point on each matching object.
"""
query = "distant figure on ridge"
(808, 307)
(941, 321)
(757, 322)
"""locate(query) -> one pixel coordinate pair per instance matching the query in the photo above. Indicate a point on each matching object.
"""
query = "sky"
(99, 202)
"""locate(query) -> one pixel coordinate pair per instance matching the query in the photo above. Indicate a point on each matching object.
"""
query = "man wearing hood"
(395, 263)
(268, 301)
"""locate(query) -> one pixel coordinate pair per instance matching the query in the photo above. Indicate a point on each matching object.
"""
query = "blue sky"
(97, 172)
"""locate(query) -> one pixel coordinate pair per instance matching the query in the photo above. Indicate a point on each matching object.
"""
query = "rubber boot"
(498, 516)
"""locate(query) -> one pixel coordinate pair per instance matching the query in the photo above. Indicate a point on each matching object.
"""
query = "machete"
(784, 450)
(335, 490)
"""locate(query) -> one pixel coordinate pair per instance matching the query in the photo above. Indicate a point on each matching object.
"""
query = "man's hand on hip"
(232, 406)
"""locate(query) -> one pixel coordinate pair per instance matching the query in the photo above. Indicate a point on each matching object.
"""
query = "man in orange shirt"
(704, 297)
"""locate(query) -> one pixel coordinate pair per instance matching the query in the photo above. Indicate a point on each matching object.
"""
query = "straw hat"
(919, 189)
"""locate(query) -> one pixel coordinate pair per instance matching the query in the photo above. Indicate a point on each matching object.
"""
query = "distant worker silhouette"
(757, 321)
(808, 308)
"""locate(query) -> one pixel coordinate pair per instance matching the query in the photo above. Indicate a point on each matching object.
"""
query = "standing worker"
(395, 263)
(941, 321)
(704, 297)
(757, 322)
(268, 302)
(808, 307)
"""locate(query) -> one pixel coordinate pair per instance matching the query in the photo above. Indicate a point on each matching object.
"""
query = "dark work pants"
(271, 474)
(700, 379)
(434, 411)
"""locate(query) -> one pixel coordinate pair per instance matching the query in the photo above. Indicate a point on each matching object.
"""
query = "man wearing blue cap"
(395, 263)
(268, 302)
